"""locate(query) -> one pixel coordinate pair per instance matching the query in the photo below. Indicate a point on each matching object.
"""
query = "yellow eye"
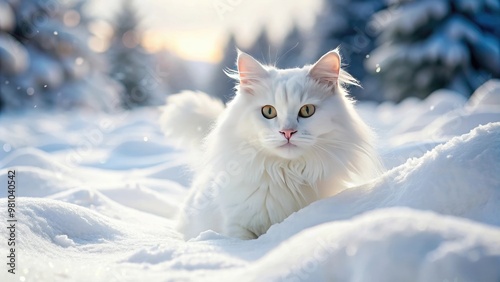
(307, 111)
(269, 112)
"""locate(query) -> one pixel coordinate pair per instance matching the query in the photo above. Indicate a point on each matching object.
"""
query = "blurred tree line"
(45, 59)
(396, 48)
(52, 54)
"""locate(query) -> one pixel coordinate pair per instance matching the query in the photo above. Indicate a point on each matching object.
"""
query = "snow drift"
(101, 209)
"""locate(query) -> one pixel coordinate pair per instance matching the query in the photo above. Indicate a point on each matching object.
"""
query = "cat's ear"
(250, 71)
(327, 68)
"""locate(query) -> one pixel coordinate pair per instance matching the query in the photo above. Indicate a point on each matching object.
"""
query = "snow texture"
(428, 45)
(45, 60)
(96, 198)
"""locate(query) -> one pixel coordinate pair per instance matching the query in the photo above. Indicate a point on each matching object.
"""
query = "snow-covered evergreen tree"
(427, 45)
(138, 72)
(345, 23)
(262, 49)
(221, 85)
(45, 59)
(290, 50)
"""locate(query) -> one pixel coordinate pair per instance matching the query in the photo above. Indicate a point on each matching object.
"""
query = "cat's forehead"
(289, 74)
(293, 85)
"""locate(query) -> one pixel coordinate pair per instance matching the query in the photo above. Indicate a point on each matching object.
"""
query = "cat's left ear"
(327, 68)
(250, 71)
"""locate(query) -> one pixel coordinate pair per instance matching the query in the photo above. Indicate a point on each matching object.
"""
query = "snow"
(46, 64)
(14, 56)
(96, 201)
(427, 45)
(486, 96)
(6, 17)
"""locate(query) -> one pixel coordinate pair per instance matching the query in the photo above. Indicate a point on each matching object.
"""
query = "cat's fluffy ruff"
(249, 177)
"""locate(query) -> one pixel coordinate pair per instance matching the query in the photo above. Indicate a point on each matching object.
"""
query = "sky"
(198, 29)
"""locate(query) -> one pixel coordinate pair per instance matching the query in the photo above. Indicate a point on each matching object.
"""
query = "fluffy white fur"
(188, 116)
(248, 176)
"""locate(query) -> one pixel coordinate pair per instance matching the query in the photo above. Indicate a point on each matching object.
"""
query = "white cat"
(288, 138)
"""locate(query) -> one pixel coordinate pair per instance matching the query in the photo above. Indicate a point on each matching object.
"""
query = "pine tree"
(136, 70)
(290, 50)
(262, 49)
(345, 23)
(221, 85)
(45, 60)
(427, 45)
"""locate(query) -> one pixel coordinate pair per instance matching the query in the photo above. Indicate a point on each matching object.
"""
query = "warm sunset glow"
(197, 30)
(101, 29)
(97, 44)
(190, 45)
(71, 18)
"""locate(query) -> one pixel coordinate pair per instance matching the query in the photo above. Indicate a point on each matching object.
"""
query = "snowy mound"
(458, 178)
(32, 157)
(387, 245)
(64, 224)
(433, 216)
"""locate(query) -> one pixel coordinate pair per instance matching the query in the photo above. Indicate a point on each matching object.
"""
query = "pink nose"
(288, 133)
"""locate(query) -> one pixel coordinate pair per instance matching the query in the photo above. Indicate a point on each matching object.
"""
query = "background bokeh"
(104, 55)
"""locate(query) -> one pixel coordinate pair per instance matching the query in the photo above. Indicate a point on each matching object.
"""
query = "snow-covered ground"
(96, 196)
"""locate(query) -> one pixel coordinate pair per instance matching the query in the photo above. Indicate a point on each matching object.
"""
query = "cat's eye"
(307, 111)
(269, 112)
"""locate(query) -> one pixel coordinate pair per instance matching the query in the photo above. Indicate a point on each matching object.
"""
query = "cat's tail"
(188, 117)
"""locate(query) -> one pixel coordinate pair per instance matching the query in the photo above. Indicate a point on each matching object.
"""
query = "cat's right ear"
(327, 68)
(250, 71)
